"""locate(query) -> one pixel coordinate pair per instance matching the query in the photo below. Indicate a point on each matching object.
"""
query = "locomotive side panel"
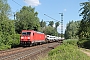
(38, 37)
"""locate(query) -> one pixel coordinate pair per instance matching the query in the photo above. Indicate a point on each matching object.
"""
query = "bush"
(9, 41)
(71, 41)
(81, 43)
(4, 47)
(84, 43)
(67, 52)
(16, 40)
(67, 45)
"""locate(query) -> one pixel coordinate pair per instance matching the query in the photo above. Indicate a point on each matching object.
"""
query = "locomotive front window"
(26, 33)
(23, 33)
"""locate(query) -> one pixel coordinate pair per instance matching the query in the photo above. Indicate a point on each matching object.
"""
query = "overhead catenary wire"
(50, 17)
(16, 3)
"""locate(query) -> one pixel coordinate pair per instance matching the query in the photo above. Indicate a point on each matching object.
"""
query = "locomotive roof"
(31, 31)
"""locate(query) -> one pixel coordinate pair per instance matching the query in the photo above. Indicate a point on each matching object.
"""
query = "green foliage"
(84, 28)
(26, 19)
(4, 9)
(43, 23)
(85, 10)
(71, 30)
(9, 41)
(71, 41)
(83, 31)
(42, 26)
(4, 47)
(16, 40)
(57, 24)
(51, 23)
(50, 31)
(7, 28)
(85, 43)
(67, 51)
(81, 43)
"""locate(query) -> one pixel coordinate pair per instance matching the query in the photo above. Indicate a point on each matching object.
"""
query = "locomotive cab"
(25, 37)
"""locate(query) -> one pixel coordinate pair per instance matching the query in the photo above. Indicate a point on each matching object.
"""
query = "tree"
(6, 25)
(4, 8)
(85, 23)
(50, 31)
(43, 23)
(51, 23)
(4, 11)
(56, 25)
(71, 30)
(84, 28)
(42, 26)
(27, 19)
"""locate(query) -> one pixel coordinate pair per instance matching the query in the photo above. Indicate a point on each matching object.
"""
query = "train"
(31, 37)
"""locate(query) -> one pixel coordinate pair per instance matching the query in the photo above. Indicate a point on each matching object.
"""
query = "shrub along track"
(27, 53)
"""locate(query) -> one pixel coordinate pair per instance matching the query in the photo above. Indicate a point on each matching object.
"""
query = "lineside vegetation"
(67, 51)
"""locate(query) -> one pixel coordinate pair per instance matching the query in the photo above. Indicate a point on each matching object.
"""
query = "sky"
(52, 8)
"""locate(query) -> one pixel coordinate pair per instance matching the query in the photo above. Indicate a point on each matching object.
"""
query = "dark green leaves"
(27, 19)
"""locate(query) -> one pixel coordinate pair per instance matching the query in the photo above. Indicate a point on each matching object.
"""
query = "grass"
(67, 51)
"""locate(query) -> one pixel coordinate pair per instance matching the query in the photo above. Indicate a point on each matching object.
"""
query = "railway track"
(24, 53)
(6, 52)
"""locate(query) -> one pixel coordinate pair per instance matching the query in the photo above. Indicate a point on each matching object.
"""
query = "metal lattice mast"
(61, 24)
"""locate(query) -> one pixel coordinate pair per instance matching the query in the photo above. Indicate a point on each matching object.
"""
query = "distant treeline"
(80, 29)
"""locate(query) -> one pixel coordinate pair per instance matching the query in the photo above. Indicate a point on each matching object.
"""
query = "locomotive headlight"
(28, 37)
(22, 37)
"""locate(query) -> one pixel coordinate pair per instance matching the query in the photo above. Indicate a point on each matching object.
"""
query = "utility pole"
(14, 20)
(14, 15)
(61, 25)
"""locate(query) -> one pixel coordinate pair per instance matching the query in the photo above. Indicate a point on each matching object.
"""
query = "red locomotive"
(31, 37)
